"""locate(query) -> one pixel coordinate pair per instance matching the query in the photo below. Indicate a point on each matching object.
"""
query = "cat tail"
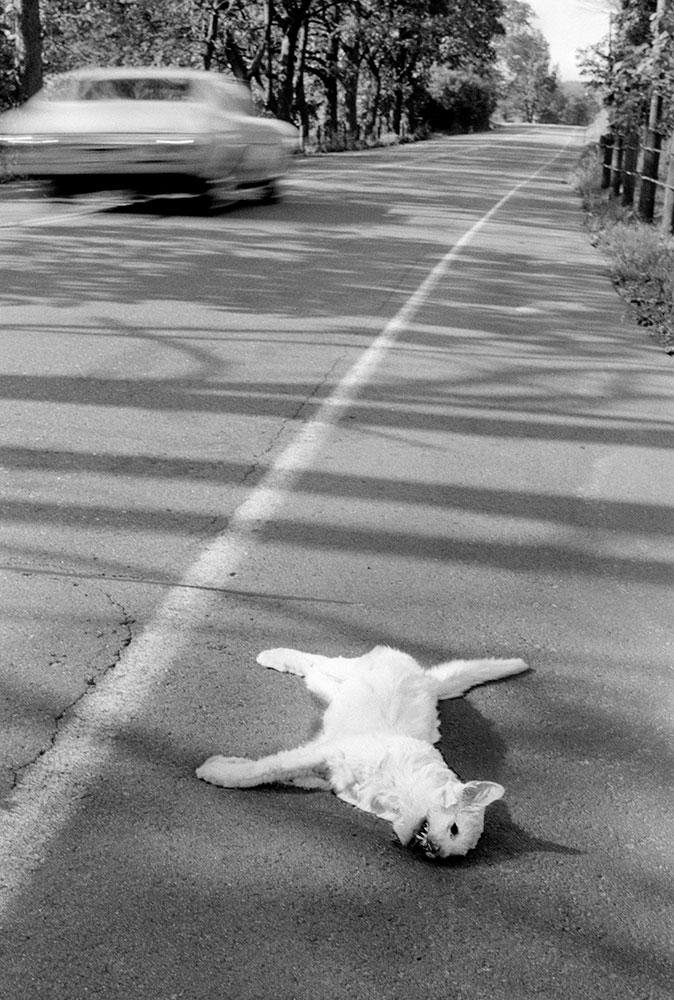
(454, 678)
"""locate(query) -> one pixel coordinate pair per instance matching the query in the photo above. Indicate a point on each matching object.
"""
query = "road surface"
(403, 406)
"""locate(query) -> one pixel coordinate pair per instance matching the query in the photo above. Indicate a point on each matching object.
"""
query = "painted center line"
(49, 791)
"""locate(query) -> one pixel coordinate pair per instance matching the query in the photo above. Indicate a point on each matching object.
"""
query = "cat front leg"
(230, 772)
(294, 661)
(287, 661)
(305, 766)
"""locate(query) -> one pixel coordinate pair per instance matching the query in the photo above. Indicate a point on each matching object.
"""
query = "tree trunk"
(331, 90)
(292, 26)
(235, 58)
(350, 84)
(350, 79)
(29, 46)
(373, 110)
(300, 95)
(212, 32)
(397, 110)
(270, 103)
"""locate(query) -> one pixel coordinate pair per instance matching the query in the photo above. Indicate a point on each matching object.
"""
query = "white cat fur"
(375, 748)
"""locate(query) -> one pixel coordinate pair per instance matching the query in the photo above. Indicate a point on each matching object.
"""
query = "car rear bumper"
(97, 157)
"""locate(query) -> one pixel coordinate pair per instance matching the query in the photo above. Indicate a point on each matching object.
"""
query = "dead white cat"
(375, 749)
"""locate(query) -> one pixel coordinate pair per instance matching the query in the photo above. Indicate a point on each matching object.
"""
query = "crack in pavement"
(125, 622)
(295, 415)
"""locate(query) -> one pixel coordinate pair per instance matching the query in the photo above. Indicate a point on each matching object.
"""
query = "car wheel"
(60, 189)
(218, 195)
(270, 193)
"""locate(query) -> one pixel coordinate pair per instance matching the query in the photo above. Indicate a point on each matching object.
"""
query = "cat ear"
(481, 793)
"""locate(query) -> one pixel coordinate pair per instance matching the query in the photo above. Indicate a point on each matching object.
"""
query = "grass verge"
(641, 258)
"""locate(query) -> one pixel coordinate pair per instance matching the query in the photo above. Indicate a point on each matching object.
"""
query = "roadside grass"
(641, 258)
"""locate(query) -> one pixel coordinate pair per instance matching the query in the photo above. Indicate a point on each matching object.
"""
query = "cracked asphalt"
(59, 638)
(498, 481)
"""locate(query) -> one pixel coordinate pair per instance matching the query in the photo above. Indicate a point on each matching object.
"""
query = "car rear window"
(119, 89)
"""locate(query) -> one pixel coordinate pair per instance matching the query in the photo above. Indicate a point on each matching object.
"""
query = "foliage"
(580, 108)
(524, 64)
(120, 32)
(359, 66)
(20, 50)
(635, 62)
(643, 270)
(460, 100)
(641, 259)
(528, 88)
(9, 81)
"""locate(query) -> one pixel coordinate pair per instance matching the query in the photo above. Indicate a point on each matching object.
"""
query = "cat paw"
(227, 772)
(278, 659)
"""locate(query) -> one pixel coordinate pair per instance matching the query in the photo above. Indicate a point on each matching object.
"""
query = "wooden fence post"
(653, 143)
(668, 207)
(606, 143)
(650, 167)
(617, 165)
(630, 159)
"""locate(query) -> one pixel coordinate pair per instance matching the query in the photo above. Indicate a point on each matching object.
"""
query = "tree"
(20, 50)
(30, 48)
(551, 103)
(9, 83)
(353, 66)
(122, 33)
(524, 64)
(460, 100)
(621, 66)
(634, 71)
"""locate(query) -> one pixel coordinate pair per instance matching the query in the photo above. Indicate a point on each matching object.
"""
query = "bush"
(643, 269)
(640, 257)
(459, 100)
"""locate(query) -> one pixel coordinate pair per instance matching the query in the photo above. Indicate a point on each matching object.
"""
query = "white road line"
(49, 792)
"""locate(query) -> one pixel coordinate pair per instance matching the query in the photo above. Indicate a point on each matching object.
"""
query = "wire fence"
(639, 169)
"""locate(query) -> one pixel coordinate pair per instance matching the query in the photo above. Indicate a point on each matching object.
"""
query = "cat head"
(453, 822)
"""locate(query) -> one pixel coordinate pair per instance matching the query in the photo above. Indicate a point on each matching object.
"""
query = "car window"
(60, 88)
(117, 89)
(134, 89)
(235, 99)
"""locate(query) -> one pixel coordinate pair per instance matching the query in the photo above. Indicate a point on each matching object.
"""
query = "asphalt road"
(405, 405)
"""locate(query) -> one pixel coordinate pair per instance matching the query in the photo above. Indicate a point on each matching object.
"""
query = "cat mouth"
(420, 843)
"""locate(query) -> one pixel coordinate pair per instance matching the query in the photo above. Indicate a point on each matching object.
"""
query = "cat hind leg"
(452, 679)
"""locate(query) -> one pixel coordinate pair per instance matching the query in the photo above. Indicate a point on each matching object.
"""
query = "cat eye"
(453, 829)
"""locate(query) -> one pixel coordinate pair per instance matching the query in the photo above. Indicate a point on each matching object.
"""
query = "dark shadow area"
(406, 406)
(639, 518)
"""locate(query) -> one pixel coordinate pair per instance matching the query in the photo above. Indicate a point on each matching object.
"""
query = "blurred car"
(149, 130)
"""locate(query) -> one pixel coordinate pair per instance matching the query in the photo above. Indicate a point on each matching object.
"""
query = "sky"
(569, 25)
